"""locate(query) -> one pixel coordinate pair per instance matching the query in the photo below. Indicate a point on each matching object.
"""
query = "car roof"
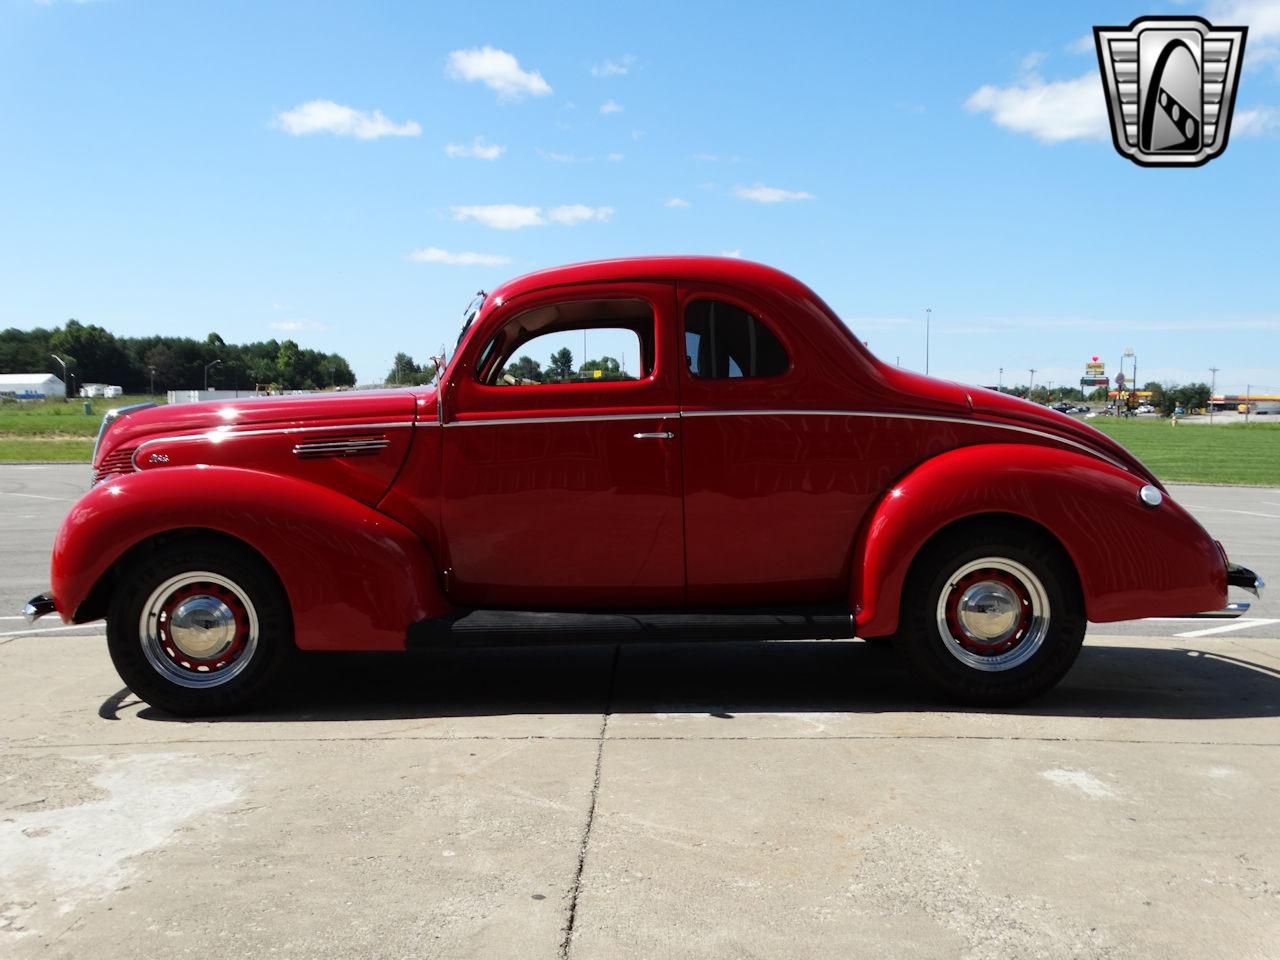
(727, 270)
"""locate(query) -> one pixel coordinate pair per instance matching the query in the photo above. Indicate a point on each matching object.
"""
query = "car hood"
(356, 407)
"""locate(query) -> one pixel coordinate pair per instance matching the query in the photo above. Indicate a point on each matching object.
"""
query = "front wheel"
(992, 618)
(198, 627)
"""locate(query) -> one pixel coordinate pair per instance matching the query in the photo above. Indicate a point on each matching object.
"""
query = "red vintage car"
(760, 475)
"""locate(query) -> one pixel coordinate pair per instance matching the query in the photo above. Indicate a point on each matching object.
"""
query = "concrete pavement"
(730, 800)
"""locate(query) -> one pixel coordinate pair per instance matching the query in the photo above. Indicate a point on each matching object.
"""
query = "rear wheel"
(994, 618)
(198, 627)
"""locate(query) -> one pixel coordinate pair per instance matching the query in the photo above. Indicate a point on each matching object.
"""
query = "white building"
(31, 386)
(101, 390)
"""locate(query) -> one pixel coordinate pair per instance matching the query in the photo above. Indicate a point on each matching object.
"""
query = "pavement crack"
(576, 888)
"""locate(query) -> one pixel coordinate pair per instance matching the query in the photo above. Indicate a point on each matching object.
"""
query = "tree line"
(143, 364)
(1165, 397)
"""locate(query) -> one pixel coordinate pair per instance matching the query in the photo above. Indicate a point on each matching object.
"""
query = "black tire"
(152, 664)
(941, 651)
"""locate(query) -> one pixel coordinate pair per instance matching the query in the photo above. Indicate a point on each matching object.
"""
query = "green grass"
(52, 418)
(1235, 453)
(41, 448)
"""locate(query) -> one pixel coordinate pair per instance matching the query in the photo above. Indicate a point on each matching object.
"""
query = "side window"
(722, 341)
(578, 341)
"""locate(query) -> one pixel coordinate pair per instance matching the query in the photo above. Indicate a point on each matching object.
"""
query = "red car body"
(382, 509)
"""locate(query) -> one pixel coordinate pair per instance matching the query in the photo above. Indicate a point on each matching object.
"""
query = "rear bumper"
(1243, 577)
(39, 606)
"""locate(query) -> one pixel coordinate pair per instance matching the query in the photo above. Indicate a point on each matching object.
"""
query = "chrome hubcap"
(993, 614)
(989, 610)
(199, 629)
(202, 627)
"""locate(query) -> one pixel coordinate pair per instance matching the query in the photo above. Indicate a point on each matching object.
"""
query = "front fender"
(1132, 560)
(355, 578)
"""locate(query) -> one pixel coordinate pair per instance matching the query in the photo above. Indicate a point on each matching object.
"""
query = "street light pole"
(153, 379)
(1000, 379)
(1032, 384)
(928, 315)
(1213, 388)
(211, 363)
(65, 381)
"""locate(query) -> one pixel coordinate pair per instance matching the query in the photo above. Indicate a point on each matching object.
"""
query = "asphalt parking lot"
(730, 800)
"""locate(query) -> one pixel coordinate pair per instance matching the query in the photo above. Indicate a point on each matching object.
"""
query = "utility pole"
(65, 381)
(1246, 403)
(1213, 388)
(928, 315)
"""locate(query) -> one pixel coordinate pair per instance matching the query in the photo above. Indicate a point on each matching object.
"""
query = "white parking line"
(34, 496)
(1244, 623)
(27, 633)
(1243, 513)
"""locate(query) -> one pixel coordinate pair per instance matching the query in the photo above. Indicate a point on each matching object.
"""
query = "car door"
(566, 495)
(776, 481)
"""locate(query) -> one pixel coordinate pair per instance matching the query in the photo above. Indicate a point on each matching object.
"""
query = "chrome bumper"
(1238, 576)
(38, 607)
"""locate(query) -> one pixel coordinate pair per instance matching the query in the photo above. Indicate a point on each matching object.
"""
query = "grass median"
(53, 430)
(1233, 453)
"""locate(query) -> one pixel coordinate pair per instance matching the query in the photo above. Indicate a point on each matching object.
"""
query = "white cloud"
(578, 213)
(510, 216)
(501, 216)
(762, 194)
(1256, 121)
(1050, 112)
(1082, 44)
(562, 157)
(611, 106)
(736, 253)
(298, 326)
(1262, 17)
(706, 157)
(498, 70)
(615, 158)
(676, 202)
(325, 116)
(477, 149)
(614, 68)
(463, 258)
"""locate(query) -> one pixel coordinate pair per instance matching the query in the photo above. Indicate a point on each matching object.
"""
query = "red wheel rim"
(977, 645)
(225, 657)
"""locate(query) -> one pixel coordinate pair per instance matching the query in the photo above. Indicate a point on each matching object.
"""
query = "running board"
(503, 628)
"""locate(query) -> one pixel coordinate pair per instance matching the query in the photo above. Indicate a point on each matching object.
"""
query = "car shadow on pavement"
(724, 679)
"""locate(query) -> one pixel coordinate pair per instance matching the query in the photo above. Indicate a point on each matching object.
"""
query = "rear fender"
(355, 578)
(1132, 560)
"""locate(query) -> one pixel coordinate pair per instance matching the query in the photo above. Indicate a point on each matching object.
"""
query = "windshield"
(470, 313)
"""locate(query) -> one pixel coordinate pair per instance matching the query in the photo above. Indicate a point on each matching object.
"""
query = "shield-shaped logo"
(1171, 86)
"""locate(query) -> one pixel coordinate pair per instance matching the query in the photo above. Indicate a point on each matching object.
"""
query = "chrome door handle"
(661, 435)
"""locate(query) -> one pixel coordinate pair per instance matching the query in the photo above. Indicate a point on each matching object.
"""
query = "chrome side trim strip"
(936, 418)
(507, 421)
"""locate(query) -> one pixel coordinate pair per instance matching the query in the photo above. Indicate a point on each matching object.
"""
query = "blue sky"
(349, 174)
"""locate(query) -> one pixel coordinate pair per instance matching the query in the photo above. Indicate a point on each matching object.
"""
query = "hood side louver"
(333, 448)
